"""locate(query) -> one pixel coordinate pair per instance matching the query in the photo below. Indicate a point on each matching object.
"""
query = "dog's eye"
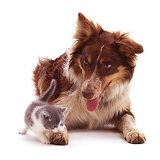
(85, 61)
(107, 65)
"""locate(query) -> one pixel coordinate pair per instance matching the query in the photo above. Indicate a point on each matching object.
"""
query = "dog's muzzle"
(91, 91)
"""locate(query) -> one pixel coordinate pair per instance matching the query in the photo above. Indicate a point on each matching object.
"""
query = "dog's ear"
(85, 28)
(127, 46)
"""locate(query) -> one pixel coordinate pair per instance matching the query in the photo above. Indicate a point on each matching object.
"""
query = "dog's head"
(101, 59)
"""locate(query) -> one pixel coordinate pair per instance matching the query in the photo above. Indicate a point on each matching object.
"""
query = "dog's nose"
(87, 95)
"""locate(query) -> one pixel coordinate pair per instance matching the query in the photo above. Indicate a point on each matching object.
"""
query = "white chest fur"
(114, 101)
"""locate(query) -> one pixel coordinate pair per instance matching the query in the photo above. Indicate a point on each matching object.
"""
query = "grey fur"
(50, 117)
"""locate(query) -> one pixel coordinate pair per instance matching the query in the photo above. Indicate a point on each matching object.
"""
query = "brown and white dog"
(93, 80)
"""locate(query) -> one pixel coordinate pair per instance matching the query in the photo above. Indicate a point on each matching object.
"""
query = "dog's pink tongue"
(92, 104)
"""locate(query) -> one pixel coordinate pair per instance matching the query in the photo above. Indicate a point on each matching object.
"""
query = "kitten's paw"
(22, 132)
(135, 137)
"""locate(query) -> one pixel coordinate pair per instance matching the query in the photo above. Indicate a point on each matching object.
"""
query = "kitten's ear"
(62, 109)
(45, 116)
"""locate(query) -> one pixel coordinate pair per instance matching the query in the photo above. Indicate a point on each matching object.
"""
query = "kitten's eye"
(49, 119)
(46, 117)
(107, 65)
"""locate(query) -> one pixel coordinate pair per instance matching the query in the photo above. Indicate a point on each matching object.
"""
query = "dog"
(93, 80)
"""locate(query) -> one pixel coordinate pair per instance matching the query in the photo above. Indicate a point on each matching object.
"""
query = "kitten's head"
(53, 118)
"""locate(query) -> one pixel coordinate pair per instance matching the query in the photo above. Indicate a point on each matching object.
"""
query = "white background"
(31, 29)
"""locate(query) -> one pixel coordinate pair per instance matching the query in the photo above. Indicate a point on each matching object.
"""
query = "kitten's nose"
(61, 128)
(55, 130)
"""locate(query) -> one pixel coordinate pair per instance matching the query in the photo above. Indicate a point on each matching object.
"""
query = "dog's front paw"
(135, 137)
(47, 142)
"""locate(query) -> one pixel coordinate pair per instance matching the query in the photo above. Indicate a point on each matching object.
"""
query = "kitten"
(41, 117)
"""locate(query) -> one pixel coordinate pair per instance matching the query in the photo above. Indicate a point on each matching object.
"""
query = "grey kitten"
(41, 117)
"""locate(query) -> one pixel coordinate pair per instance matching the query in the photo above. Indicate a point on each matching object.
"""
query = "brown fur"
(99, 64)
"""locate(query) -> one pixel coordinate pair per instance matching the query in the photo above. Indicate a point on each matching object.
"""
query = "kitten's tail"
(48, 93)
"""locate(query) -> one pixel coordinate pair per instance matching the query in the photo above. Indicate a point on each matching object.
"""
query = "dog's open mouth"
(92, 104)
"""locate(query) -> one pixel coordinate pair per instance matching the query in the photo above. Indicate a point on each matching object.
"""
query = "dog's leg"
(126, 124)
(59, 138)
